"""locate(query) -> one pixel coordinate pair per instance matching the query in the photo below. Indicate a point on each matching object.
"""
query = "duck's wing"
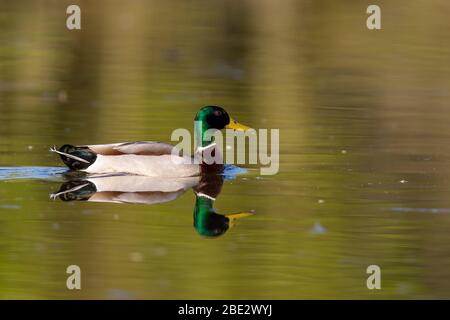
(148, 148)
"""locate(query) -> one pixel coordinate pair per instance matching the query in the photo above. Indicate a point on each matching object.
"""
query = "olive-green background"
(364, 147)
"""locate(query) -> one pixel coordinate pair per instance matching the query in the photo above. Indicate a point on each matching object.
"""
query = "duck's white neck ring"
(200, 194)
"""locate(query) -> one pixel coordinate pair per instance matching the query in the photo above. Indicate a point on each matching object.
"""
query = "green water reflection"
(364, 164)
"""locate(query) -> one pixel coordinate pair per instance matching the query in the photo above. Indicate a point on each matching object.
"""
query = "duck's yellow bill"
(237, 126)
(235, 216)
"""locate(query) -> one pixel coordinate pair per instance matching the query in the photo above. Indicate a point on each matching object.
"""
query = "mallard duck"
(148, 158)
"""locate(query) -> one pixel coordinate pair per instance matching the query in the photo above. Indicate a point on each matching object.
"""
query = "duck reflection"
(207, 221)
(149, 190)
(124, 189)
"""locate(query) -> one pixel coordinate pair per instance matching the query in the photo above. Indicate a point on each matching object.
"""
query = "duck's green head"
(214, 117)
(208, 222)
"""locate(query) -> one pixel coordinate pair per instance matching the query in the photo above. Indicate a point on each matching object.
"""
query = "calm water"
(364, 141)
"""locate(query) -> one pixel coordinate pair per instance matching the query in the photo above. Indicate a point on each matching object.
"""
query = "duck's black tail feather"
(76, 158)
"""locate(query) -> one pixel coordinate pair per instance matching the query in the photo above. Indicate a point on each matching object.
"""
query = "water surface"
(364, 142)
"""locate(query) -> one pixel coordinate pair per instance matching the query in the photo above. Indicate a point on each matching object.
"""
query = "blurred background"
(364, 147)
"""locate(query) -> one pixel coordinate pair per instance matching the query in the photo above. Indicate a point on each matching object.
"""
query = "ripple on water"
(9, 206)
(421, 210)
(14, 173)
(230, 171)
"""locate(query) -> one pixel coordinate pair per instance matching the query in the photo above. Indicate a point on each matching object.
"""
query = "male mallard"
(148, 158)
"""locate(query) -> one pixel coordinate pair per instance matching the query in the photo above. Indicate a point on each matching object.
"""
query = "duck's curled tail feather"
(76, 158)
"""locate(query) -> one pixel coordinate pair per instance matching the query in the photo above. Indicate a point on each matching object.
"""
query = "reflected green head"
(207, 222)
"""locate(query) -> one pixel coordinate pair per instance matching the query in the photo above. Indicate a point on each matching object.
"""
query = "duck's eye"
(218, 113)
